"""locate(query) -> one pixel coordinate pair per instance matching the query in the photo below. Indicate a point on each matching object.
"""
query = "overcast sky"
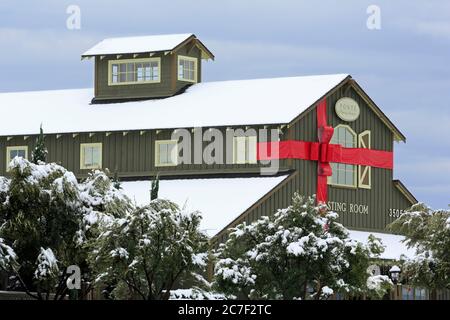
(404, 66)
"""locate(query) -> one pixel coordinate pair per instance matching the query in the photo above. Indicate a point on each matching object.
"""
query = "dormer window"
(187, 69)
(134, 71)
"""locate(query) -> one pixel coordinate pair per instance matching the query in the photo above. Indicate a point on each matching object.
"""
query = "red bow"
(323, 152)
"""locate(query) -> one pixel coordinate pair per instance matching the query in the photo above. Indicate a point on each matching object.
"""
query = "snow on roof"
(394, 245)
(208, 104)
(137, 44)
(220, 200)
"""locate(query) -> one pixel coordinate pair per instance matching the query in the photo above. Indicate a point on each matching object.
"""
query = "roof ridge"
(196, 84)
(149, 35)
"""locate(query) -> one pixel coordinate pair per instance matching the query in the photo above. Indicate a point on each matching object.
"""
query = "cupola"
(146, 67)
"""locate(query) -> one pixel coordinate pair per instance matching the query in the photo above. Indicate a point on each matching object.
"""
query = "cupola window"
(187, 69)
(134, 71)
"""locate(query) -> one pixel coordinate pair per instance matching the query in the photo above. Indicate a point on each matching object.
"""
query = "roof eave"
(87, 56)
(402, 188)
(206, 53)
(398, 136)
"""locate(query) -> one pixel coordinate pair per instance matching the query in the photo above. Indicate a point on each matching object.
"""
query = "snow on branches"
(8, 257)
(47, 218)
(298, 252)
(47, 265)
(427, 231)
(195, 294)
(150, 250)
(378, 285)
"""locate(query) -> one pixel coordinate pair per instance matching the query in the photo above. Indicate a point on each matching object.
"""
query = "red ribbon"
(323, 152)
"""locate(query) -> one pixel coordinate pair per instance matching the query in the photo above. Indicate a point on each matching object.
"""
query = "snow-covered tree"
(195, 294)
(300, 252)
(151, 251)
(46, 219)
(428, 231)
(40, 151)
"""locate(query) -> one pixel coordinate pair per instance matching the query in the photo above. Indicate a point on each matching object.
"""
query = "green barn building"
(146, 89)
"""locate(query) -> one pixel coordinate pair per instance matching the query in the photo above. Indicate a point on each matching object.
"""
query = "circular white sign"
(347, 109)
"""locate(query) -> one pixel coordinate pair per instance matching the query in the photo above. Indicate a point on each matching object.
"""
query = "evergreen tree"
(299, 252)
(40, 151)
(47, 222)
(428, 231)
(147, 253)
(155, 188)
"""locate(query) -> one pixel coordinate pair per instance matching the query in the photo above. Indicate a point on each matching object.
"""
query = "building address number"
(395, 213)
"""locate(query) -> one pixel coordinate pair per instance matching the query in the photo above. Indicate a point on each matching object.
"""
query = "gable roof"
(143, 44)
(208, 104)
(398, 136)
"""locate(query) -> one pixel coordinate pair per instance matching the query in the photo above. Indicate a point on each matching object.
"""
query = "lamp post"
(394, 273)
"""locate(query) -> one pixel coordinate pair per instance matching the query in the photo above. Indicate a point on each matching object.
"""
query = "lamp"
(394, 273)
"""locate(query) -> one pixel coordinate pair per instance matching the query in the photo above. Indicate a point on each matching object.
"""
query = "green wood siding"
(380, 198)
(168, 86)
(131, 155)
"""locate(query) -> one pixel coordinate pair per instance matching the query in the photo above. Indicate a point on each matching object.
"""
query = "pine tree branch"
(24, 286)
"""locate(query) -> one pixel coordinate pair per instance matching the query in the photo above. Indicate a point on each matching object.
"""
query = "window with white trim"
(91, 156)
(343, 174)
(364, 172)
(134, 71)
(15, 151)
(244, 150)
(166, 153)
(187, 69)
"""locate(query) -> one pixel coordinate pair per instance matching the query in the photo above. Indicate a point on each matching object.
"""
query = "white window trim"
(180, 57)
(355, 175)
(90, 145)
(8, 152)
(247, 145)
(159, 142)
(367, 168)
(122, 61)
